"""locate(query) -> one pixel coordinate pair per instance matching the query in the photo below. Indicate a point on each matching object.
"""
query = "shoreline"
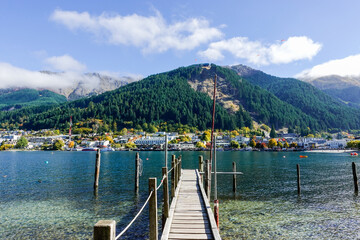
(331, 151)
(197, 150)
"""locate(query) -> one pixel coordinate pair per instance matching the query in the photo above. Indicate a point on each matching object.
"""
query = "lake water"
(49, 195)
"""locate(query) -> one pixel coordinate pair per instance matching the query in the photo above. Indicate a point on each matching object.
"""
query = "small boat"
(89, 149)
(303, 156)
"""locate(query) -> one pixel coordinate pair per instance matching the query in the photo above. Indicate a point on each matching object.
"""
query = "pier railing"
(106, 229)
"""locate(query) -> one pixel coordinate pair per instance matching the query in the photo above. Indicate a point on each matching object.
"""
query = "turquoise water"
(49, 195)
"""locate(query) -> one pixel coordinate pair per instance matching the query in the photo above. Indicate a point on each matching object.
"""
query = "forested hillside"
(171, 98)
(330, 112)
(16, 99)
(159, 98)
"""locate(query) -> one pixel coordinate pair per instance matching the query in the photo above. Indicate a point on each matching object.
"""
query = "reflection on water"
(46, 195)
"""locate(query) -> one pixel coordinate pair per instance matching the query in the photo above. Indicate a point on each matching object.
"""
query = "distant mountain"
(310, 100)
(91, 84)
(183, 96)
(11, 99)
(346, 89)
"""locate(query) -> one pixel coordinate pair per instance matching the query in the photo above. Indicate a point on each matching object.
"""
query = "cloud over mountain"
(284, 51)
(348, 66)
(11, 76)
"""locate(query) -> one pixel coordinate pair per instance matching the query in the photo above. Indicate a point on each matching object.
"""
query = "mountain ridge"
(183, 96)
(304, 96)
(343, 88)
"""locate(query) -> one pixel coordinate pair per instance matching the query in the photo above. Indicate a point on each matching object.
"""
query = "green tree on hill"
(234, 144)
(206, 136)
(22, 142)
(272, 132)
(58, 144)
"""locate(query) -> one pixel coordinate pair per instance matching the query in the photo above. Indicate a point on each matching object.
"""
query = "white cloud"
(286, 51)
(11, 76)
(15, 77)
(348, 66)
(65, 63)
(151, 34)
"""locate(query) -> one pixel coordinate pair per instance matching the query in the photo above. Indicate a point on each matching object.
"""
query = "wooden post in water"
(216, 201)
(207, 179)
(356, 186)
(153, 217)
(173, 176)
(166, 150)
(137, 173)
(234, 176)
(206, 182)
(216, 212)
(105, 230)
(166, 196)
(176, 171)
(201, 168)
(97, 170)
(298, 179)
(179, 167)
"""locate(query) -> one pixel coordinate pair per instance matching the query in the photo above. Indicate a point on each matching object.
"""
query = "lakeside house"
(151, 141)
(336, 144)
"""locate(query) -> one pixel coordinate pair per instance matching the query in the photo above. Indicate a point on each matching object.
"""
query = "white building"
(242, 139)
(337, 143)
(153, 140)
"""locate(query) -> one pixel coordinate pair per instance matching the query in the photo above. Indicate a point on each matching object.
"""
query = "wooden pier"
(190, 214)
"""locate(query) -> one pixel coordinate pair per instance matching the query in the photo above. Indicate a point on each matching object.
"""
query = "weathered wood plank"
(190, 236)
(190, 226)
(204, 214)
(193, 230)
(189, 221)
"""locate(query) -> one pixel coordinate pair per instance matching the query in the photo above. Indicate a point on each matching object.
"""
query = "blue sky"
(282, 38)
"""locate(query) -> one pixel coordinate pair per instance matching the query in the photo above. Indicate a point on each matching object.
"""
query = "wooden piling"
(166, 196)
(206, 182)
(179, 167)
(298, 179)
(153, 217)
(105, 230)
(207, 178)
(97, 170)
(176, 172)
(173, 176)
(216, 212)
(234, 176)
(356, 186)
(201, 168)
(137, 173)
